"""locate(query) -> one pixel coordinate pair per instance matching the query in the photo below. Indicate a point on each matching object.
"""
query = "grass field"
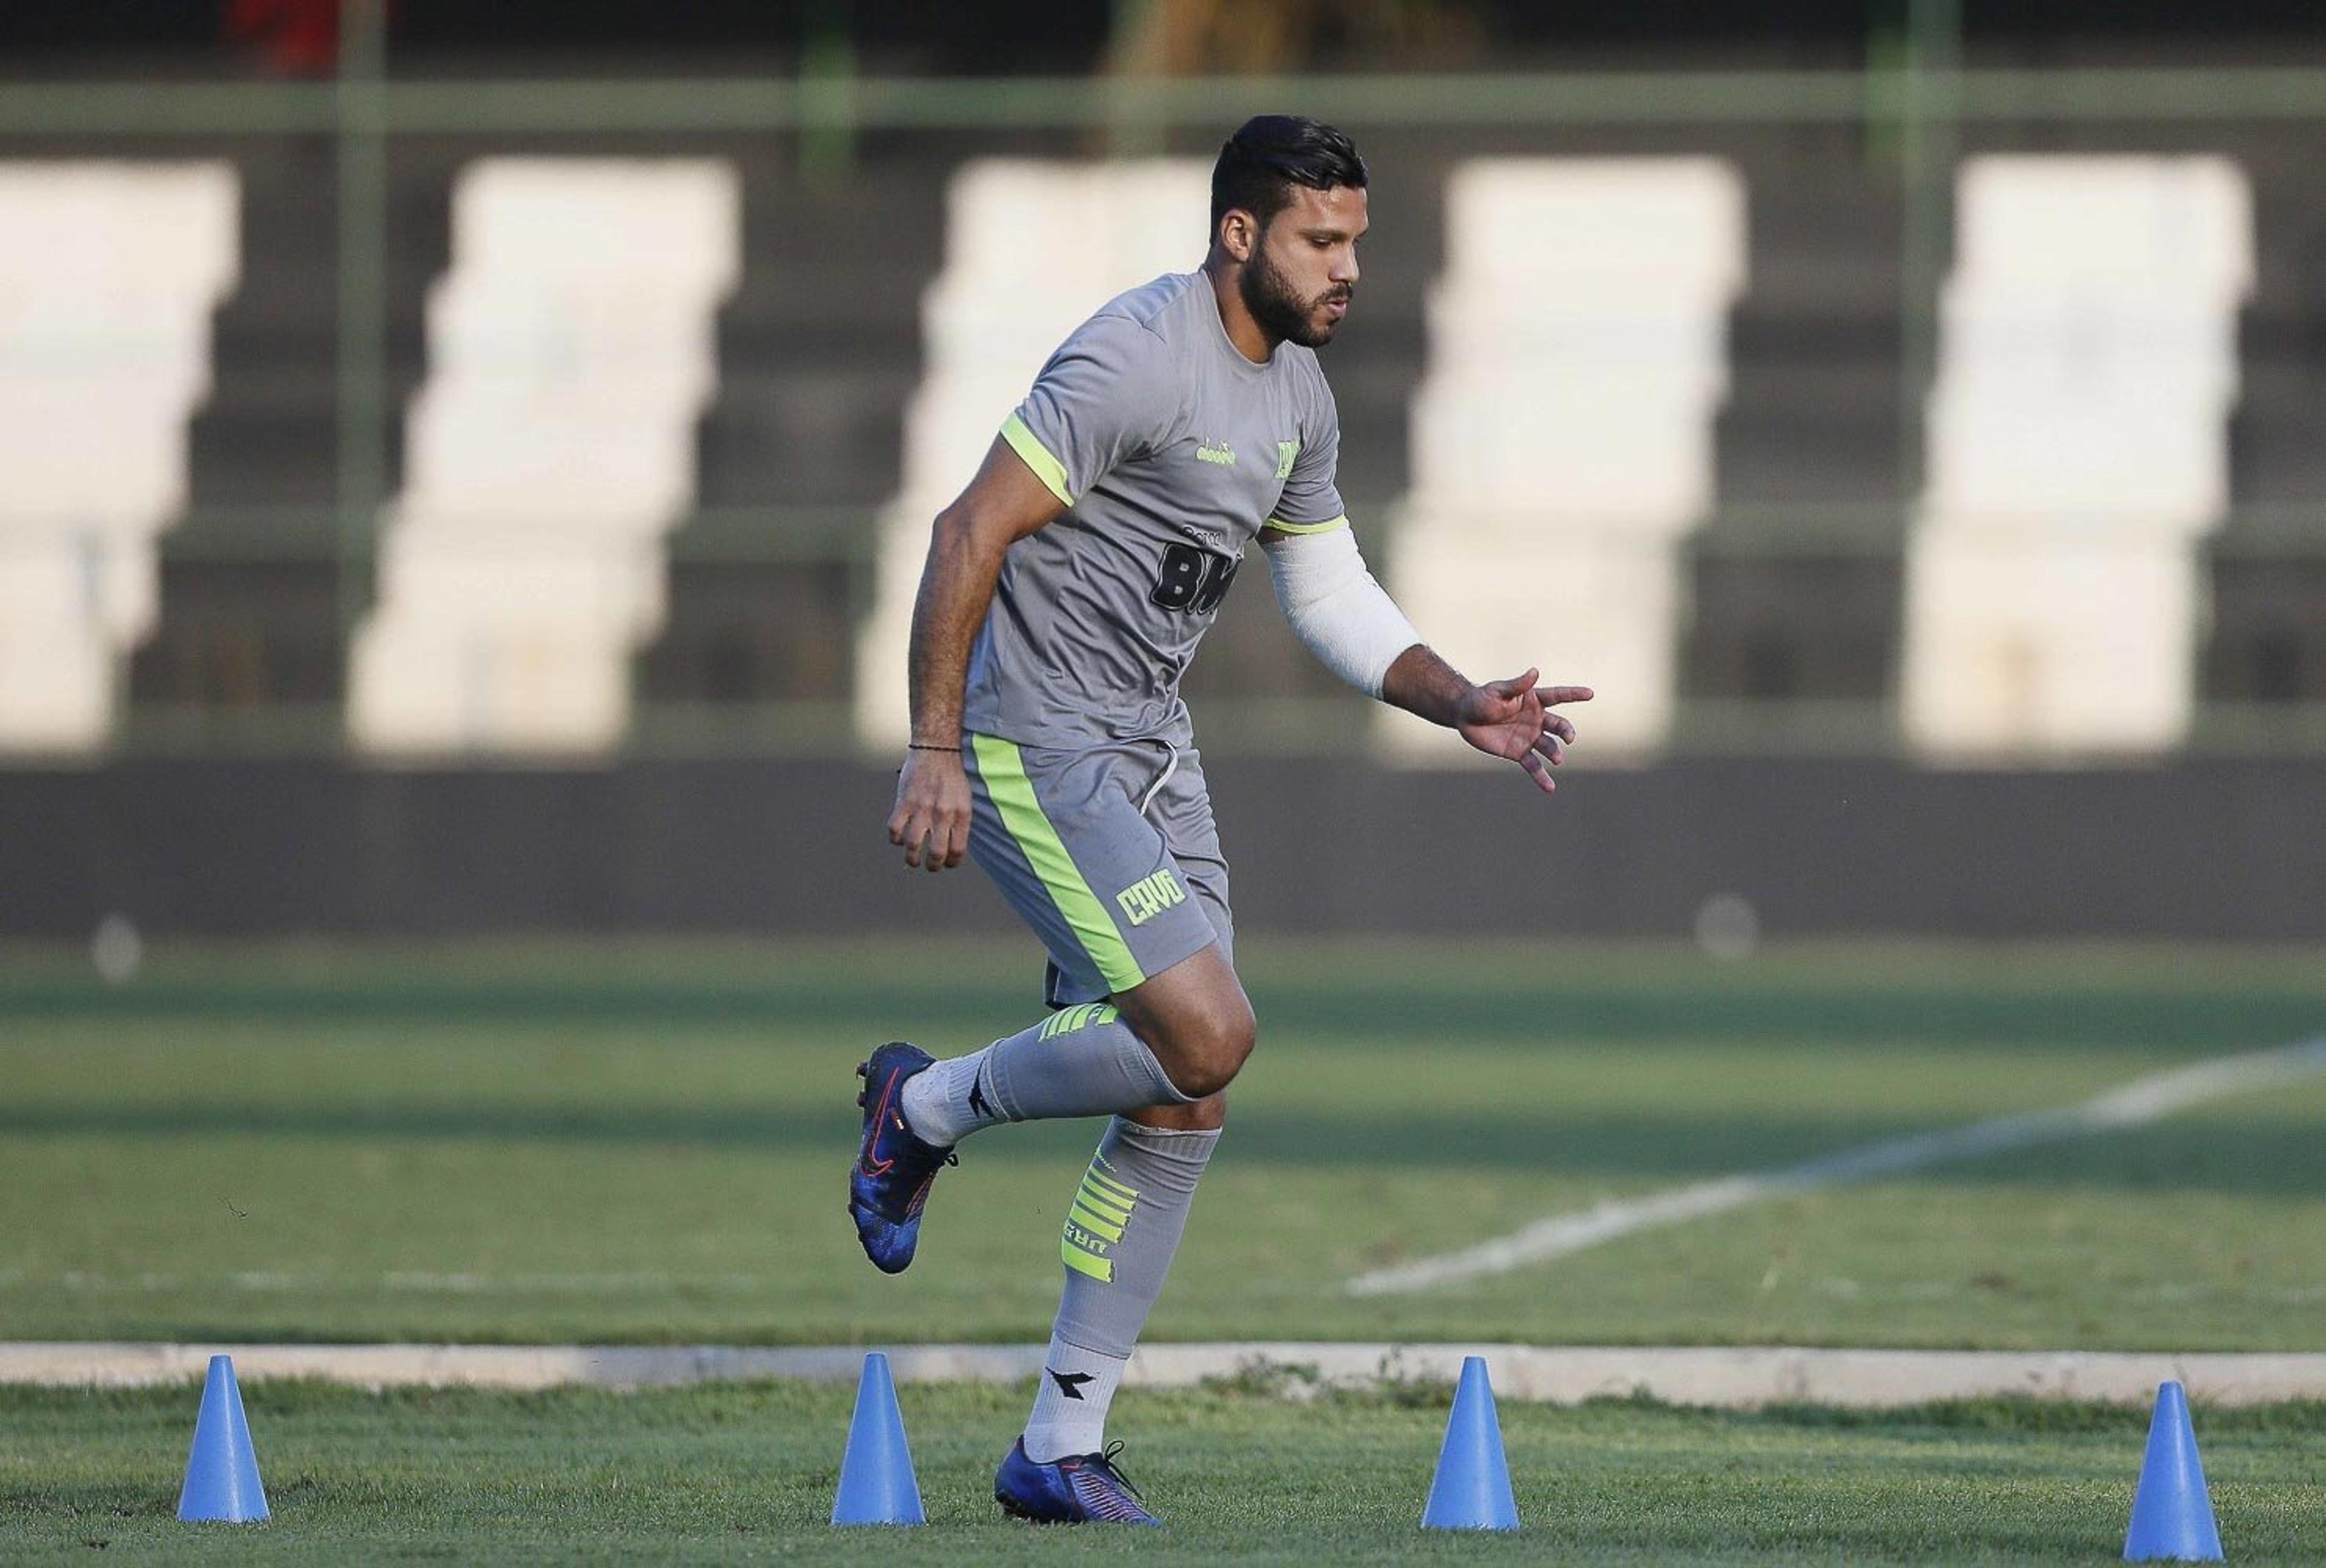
(719, 1473)
(647, 1143)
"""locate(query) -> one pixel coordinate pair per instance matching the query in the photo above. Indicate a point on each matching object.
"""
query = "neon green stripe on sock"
(1100, 1205)
(1086, 1016)
(1090, 1220)
(1082, 1262)
(1004, 774)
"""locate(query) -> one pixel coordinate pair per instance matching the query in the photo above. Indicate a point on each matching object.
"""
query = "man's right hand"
(931, 820)
(1004, 503)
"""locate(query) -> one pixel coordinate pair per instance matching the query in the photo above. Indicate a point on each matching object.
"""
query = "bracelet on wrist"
(917, 745)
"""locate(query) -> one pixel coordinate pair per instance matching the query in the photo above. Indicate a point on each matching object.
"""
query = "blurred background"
(466, 466)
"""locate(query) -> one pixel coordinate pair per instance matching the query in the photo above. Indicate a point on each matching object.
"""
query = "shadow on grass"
(1391, 1008)
(2193, 1153)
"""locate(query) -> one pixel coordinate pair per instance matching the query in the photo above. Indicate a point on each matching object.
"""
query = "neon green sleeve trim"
(1282, 526)
(1046, 468)
(1003, 772)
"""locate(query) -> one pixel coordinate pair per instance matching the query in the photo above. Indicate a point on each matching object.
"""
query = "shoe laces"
(1106, 1463)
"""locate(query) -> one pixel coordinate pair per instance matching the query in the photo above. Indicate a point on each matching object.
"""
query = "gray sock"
(1081, 1060)
(1071, 1401)
(945, 1101)
(1119, 1234)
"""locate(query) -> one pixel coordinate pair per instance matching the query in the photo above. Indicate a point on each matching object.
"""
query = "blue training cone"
(1472, 1488)
(875, 1471)
(2171, 1516)
(221, 1469)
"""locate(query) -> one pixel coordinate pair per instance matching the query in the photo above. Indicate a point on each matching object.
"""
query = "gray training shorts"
(1110, 854)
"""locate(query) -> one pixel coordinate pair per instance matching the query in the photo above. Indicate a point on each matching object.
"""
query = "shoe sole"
(1018, 1511)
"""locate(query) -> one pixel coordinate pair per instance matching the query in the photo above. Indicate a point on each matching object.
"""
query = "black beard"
(1280, 311)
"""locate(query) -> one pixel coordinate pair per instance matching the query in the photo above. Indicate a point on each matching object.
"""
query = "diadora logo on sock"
(1070, 1384)
(1150, 895)
(1218, 452)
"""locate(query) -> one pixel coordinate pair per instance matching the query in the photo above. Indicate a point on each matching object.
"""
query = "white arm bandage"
(1334, 607)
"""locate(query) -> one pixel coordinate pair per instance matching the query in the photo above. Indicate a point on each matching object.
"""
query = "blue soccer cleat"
(1083, 1488)
(891, 1179)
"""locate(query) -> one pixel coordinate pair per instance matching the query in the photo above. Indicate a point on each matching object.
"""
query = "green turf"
(647, 1143)
(747, 1470)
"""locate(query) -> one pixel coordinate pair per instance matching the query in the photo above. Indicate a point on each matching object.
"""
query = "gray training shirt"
(1170, 450)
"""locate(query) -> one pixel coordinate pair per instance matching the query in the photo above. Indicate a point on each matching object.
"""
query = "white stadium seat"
(572, 349)
(109, 273)
(1086, 231)
(2077, 448)
(1562, 435)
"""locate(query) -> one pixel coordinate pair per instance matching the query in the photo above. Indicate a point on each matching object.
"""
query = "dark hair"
(1270, 154)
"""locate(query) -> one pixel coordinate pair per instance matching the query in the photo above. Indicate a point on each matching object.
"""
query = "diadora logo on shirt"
(1150, 895)
(1218, 452)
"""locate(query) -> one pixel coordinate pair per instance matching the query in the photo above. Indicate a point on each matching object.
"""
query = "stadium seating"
(571, 350)
(109, 273)
(1086, 231)
(2077, 450)
(818, 351)
(1793, 582)
(1562, 437)
(258, 581)
(737, 602)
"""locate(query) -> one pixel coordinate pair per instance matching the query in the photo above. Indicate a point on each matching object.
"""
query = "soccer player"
(1064, 593)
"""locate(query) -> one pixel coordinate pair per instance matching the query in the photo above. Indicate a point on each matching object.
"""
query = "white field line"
(1735, 1378)
(2135, 1104)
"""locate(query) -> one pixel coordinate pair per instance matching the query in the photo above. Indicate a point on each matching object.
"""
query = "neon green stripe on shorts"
(1003, 772)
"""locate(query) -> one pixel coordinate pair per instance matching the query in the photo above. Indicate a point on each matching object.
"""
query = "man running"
(1063, 594)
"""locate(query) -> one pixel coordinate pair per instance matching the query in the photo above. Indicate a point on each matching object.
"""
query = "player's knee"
(1210, 1050)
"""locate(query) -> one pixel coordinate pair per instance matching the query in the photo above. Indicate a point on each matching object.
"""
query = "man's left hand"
(1514, 719)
